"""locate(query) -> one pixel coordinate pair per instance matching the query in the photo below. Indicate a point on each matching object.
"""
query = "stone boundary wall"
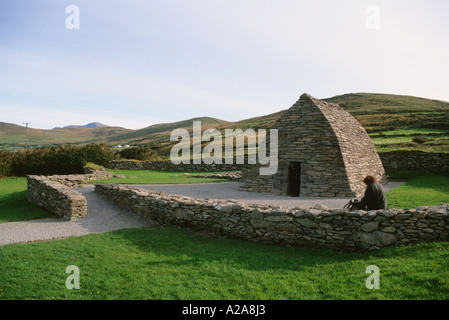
(170, 166)
(416, 161)
(56, 198)
(314, 227)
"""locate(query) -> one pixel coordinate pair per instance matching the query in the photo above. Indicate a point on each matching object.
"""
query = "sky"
(135, 63)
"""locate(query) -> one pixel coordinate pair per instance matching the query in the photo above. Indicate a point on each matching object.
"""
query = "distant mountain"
(91, 125)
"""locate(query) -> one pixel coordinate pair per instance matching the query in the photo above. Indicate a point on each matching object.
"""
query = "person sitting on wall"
(374, 198)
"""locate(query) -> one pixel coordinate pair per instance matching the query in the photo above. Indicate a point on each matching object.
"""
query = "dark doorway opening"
(294, 179)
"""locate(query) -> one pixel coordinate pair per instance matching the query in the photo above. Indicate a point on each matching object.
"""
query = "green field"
(167, 263)
(411, 132)
(424, 139)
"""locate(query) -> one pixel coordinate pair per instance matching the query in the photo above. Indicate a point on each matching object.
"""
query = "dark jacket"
(374, 198)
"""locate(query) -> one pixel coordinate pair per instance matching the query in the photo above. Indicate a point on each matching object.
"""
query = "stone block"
(370, 226)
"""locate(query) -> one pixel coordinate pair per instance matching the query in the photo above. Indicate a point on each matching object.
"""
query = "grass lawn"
(168, 263)
(13, 203)
(157, 177)
(171, 263)
(420, 190)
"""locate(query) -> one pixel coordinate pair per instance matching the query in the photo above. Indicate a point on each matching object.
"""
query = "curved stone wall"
(55, 193)
(57, 198)
(315, 227)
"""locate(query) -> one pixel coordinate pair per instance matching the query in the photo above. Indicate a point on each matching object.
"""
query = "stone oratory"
(323, 152)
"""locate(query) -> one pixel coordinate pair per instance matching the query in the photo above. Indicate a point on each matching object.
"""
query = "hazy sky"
(133, 63)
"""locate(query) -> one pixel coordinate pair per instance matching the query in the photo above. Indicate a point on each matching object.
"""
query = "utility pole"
(26, 123)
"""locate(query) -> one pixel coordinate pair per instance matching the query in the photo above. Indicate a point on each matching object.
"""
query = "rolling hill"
(375, 112)
(379, 112)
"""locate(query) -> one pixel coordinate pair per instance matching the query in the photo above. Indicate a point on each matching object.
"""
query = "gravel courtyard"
(230, 190)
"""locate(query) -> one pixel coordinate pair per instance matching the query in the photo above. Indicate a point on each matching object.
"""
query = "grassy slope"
(377, 112)
(168, 263)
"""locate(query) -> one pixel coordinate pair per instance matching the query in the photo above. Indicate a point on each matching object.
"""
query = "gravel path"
(103, 216)
(230, 190)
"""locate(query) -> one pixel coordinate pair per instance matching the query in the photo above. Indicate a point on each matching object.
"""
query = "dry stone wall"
(232, 175)
(416, 161)
(315, 227)
(76, 180)
(170, 166)
(57, 198)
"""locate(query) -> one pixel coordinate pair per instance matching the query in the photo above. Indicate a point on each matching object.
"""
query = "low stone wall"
(170, 166)
(76, 180)
(315, 227)
(232, 175)
(56, 198)
(415, 161)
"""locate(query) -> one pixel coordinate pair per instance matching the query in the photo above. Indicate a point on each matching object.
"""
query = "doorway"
(294, 179)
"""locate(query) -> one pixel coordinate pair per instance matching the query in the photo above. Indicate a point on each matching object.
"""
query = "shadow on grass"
(15, 207)
(185, 246)
(171, 263)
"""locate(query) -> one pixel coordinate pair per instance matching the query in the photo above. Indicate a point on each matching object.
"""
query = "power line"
(26, 137)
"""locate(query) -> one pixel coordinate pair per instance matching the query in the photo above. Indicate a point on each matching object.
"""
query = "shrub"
(5, 163)
(54, 160)
(420, 139)
(99, 154)
(138, 153)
